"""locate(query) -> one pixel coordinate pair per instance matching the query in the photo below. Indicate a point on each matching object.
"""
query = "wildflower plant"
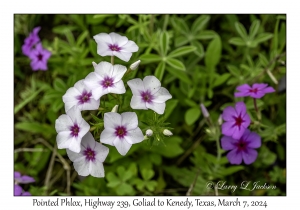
(118, 130)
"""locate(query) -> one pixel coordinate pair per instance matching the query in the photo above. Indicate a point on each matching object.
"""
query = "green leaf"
(150, 58)
(180, 25)
(254, 29)
(63, 29)
(181, 40)
(213, 53)
(82, 37)
(160, 70)
(171, 148)
(147, 174)
(238, 41)
(221, 79)
(113, 180)
(59, 85)
(200, 49)
(150, 185)
(170, 106)
(164, 42)
(199, 23)
(207, 34)
(241, 30)
(175, 64)
(230, 170)
(182, 51)
(36, 127)
(181, 75)
(263, 37)
(233, 70)
(192, 115)
(26, 101)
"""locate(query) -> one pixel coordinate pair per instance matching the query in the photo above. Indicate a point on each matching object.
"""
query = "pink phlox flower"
(121, 131)
(242, 148)
(71, 127)
(106, 78)
(114, 44)
(237, 120)
(39, 58)
(256, 91)
(30, 41)
(81, 96)
(89, 161)
(19, 179)
(148, 94)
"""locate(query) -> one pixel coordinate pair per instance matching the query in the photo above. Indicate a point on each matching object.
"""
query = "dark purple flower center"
(74, 130)
(147, 96)
(107, 82)
(40, 56)
(84, 97)
(241, 145)
(254, 90)
(114, 47)
(121, 132)
(238, 121)
(89, 154)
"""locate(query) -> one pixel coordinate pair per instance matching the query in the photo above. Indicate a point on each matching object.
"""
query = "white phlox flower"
(71, 127)
(106, 78)
(121, 131)
(114, 44)
(89, 161)
(81, 96)
(148, 94)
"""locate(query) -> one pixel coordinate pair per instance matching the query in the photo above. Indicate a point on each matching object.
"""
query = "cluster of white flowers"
(120, 130)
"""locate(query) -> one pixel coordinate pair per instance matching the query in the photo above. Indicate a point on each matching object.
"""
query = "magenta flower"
(237, 120)
(256, 91)
(242, 148)
(115, 45)
(30, 41)
(19, 179)
(39, 58)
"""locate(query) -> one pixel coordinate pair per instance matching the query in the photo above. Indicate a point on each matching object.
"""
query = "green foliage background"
(198, 58)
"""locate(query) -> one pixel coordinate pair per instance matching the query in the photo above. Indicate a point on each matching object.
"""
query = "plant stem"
(112, 59)
(255, 105)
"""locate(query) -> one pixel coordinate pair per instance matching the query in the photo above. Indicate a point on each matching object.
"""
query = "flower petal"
(152, 83)
(134, 136)
(129, 120)
(237, 132)
(254, 140)
(118, 39)
(112, 120)
(91, 105)
(122, 146)
(159, 108)
(228, 113)
(227, 128)
(259, 86)
(249, 156)
(75, 114)
(136, 86)
(96, 169)
(117, 88)
(269, 90)
(240, 108)
(75, 145)
(137, 103)
(244, 88)
(234, 157)
(118, 72)
(162, 95)
(26, 194)
(27, 179)
(74, 156)
(17, 190)
(228, 143)
(101, 152)
(84, 128)
(130, 46)
(88, 141)
(123, 55)
(17, 174)
(63, 139)
(104, 69)
(82, 166)
(108, 136)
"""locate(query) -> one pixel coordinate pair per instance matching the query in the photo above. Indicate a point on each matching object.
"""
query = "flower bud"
(135, 65)
(204, 111)
(166, 132)
(115, 109)
(149, 132)
(94, 64)
(220, 120)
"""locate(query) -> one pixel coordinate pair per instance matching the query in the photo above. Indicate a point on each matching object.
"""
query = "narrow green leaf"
(213, 53)
(241, 30)
(180, 25)
(59, 85)
(150, 58)
(221, 79)
(263, 37)
(35, 127)
(254, 29)
(199, 23)
(238, 41)
(233, 70)
(159, 71)
(207, 34)
(81, 38)
(230, 170)
(175, 64)
(192, 115)
(200, 49)
(182, 51)
(164, 42)
(26, 101)
(170, 106)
